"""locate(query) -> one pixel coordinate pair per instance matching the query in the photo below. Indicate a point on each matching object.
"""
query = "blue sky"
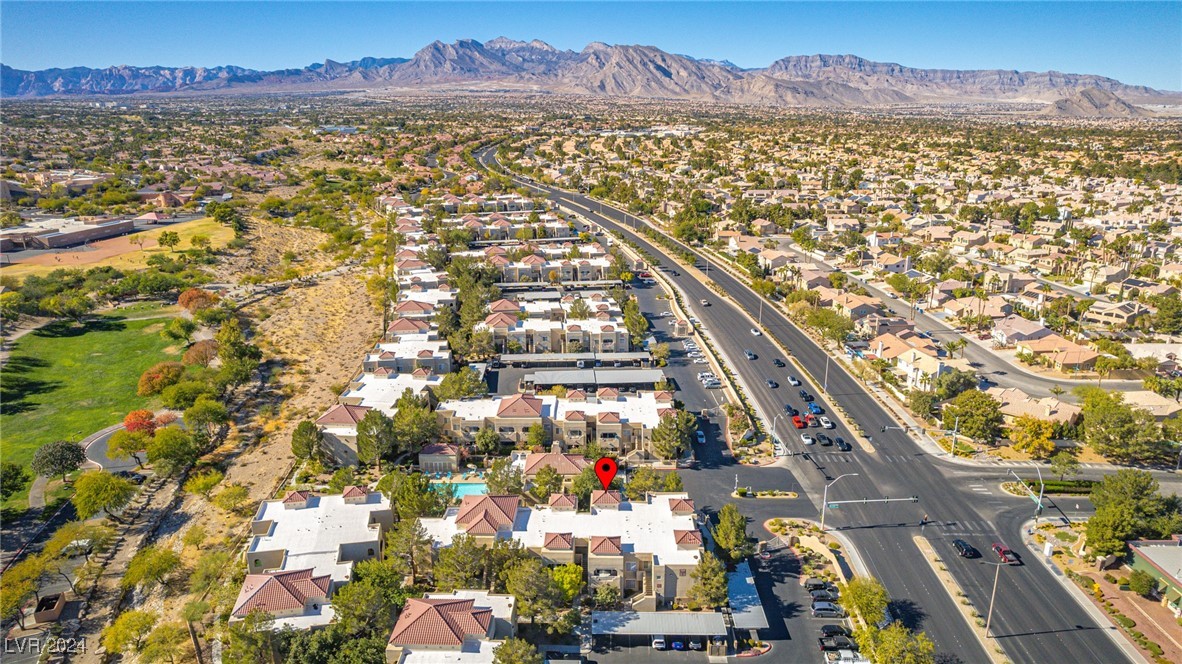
(1136, 42)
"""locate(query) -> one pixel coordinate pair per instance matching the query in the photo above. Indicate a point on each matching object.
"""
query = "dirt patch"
(269, 242)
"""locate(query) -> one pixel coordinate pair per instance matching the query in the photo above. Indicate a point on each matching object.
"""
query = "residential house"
(1014, 328)
(1114, 314)
(1015, 403)
(460, 627)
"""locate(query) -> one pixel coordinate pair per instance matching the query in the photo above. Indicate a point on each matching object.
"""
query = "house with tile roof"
(460, 627)
(294, 598)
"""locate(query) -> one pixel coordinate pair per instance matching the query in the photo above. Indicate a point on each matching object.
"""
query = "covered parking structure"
(639, 628)
(590, 380)
(746, 607)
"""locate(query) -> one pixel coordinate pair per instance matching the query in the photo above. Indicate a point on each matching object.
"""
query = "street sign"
(834, 506)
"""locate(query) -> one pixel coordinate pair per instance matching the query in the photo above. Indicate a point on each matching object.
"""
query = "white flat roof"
(382, 393)
(472, 652)
(313, 535)
(642, 528)
(658, 623)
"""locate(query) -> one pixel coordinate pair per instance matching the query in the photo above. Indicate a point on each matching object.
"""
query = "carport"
(746, 607)
(640, 627)
(628, 380)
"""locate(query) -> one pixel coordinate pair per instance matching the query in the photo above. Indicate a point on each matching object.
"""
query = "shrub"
(835, 545)
(1124, 621)
(1109, 578)
(159, 377)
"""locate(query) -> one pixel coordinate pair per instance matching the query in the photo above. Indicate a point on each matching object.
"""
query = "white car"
(705, 302)
(792, 380)
(807, 439)
(825, 423)
(658, 644)
(712, 384)
(700, 360)
(705, 374)
(756, 333)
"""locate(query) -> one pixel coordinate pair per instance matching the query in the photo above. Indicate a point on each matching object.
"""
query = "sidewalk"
(1081, 598)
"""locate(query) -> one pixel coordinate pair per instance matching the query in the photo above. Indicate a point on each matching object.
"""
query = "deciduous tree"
(60, 457)
(516, 651)
(97, 491)
(129, 630)
(974, 414)
(1033, 436)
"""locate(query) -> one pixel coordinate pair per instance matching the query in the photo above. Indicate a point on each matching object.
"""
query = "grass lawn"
(66, 381)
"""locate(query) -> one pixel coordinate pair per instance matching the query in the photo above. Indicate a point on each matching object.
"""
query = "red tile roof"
(342, 414)
(565, 464)
(559, 541)
(606, 546)
(691, 537)
(439, 622)
(520, 405)
(606, 498)
(480, 513)
(281, 591)
(564, 500)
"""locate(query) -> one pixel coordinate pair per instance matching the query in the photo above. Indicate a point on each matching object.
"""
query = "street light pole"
(825, 498)
(825, 385)
(992, 595)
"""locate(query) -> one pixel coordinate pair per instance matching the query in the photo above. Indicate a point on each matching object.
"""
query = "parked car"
(772, 384)
(834, 630)
(659, 644)
(778, 362)
(696, 643)
(813, 583)
(823, 596)
(807, 439)
(701, 437)
(814, 408)
(797, 422)
(964, 549)
(826, 423)
(678, 645)
(827, 610)
(756, 333)
(1004, 553)
(842, 445)
(792, 380)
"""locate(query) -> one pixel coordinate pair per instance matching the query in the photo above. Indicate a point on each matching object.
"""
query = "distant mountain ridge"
(599, 69)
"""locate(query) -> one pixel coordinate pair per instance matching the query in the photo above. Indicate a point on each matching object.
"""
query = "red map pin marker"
(606, 468)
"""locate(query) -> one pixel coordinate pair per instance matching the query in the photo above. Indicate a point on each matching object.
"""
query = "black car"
(805, 395)
(792, 412)
(134, 478)
(824, 440)
(778, 362)
(964, 549)
(842, 445)
(834, 630)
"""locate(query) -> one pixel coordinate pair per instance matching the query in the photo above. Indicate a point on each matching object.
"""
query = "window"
(682, 573)
(257, 562)
(370, 553)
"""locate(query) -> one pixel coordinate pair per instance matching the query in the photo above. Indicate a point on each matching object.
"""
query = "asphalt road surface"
(1040, 622)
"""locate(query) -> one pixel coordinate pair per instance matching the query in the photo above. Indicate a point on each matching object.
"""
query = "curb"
(1115, 633)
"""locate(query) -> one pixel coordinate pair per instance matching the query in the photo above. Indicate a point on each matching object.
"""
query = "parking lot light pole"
(993, 595)
(825, 498)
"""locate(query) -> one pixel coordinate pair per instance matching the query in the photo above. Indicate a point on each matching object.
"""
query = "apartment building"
(646, 548)
(620, 423)
(303, 548)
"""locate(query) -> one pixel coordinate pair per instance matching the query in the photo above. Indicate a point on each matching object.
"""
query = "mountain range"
(602, 69)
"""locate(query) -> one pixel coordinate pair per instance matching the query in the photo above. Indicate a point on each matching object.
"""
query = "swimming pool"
(467, 488)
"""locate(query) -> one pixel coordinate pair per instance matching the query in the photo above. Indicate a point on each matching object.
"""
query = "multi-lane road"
(1036, 620)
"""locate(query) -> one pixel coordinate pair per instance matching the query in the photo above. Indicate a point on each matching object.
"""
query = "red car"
(1004, 553)
(797, 422)
(812, 420)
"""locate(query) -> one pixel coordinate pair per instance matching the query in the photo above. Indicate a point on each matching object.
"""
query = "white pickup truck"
(845, 657)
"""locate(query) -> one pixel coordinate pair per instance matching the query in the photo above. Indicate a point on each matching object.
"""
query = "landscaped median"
(971, 615)
(742, 492)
